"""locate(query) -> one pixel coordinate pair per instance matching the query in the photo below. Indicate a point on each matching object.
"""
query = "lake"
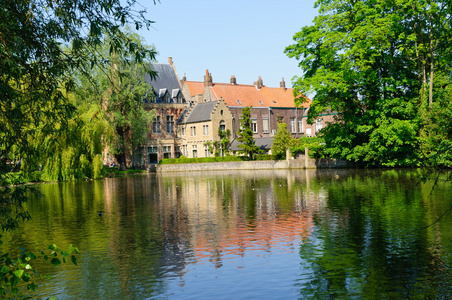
(298, 234)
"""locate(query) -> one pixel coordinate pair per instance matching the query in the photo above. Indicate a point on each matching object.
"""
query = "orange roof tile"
(283, 98)
(248, 95)
(195, 87)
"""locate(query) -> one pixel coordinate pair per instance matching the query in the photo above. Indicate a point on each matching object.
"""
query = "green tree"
(123, 98)
(372, 62)
(223, 144)
(281, 142)
(245, 134)
(42, 44)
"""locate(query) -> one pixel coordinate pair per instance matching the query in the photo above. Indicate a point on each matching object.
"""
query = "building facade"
(199, 126)
(270, 106)
(169, 104)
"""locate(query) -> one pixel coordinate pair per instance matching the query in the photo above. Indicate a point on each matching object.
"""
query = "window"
(292, 125)
(192, 130)
(221, 112)
(152, 149)
(254, 125)
(308, 131)
(300, 126)
(206, 151)
(240, 103)
(318, 124)
(166, 151)
(265, 125)
(170, 124)
(156, 125)
(222, 126)
(280, 119)
(183, 130)
(194, 151)
(205, 129)
(260, 102)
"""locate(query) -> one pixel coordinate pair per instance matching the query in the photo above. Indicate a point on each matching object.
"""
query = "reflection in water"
(274, 234)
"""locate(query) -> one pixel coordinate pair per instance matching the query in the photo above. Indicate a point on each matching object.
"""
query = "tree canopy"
(381, 65)
(245, 134)
(281, 142)
(43, 45)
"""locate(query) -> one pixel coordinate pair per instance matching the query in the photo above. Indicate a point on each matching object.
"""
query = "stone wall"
(300, 163)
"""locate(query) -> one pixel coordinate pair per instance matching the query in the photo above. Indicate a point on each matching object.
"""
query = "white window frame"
(265, 125)
(292, 125)
(192, 130)
(254, 125)
(318, 125)
(205, 129)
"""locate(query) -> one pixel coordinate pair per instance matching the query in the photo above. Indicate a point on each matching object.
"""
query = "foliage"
(315, 145)
(12, 198)
(378, 64)
(245, 134)
(263, 157)
(185, 160)
(16, 273)
(223, 144)
(281, 142)
(436, 136)
(43, 44)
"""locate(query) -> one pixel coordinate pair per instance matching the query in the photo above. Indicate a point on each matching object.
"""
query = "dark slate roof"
(201, 112)
(263, 143)
(166, 78)
(182, 116)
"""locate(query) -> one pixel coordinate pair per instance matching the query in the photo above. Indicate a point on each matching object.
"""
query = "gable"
(201, 112)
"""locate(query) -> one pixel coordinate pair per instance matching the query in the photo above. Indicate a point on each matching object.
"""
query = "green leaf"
(18, 273)
(53, 247)
(5, 269)
(55, 261)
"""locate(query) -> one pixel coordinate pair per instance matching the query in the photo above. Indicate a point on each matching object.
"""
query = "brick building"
(270, 106)
(168, 103)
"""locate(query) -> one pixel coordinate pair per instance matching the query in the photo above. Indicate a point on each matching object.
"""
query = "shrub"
(263, 157)
(315, 145)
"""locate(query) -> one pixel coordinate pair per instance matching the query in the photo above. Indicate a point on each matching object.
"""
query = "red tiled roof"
(283, 98)
(195, 87)
(248, 95)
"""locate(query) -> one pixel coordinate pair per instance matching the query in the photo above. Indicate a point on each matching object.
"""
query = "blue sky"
(243, 38)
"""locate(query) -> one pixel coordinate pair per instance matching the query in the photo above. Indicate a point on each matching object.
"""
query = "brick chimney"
(282, 84)
(259, 83)
(208, 79)
(233, 80)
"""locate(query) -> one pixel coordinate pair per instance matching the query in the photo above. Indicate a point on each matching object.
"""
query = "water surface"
(246, 234)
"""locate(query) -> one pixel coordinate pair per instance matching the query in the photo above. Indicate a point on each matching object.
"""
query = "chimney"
(282, 84)
(233, 80)
(259, 83)
(208, 79)
(184, 78)
(170, 60)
